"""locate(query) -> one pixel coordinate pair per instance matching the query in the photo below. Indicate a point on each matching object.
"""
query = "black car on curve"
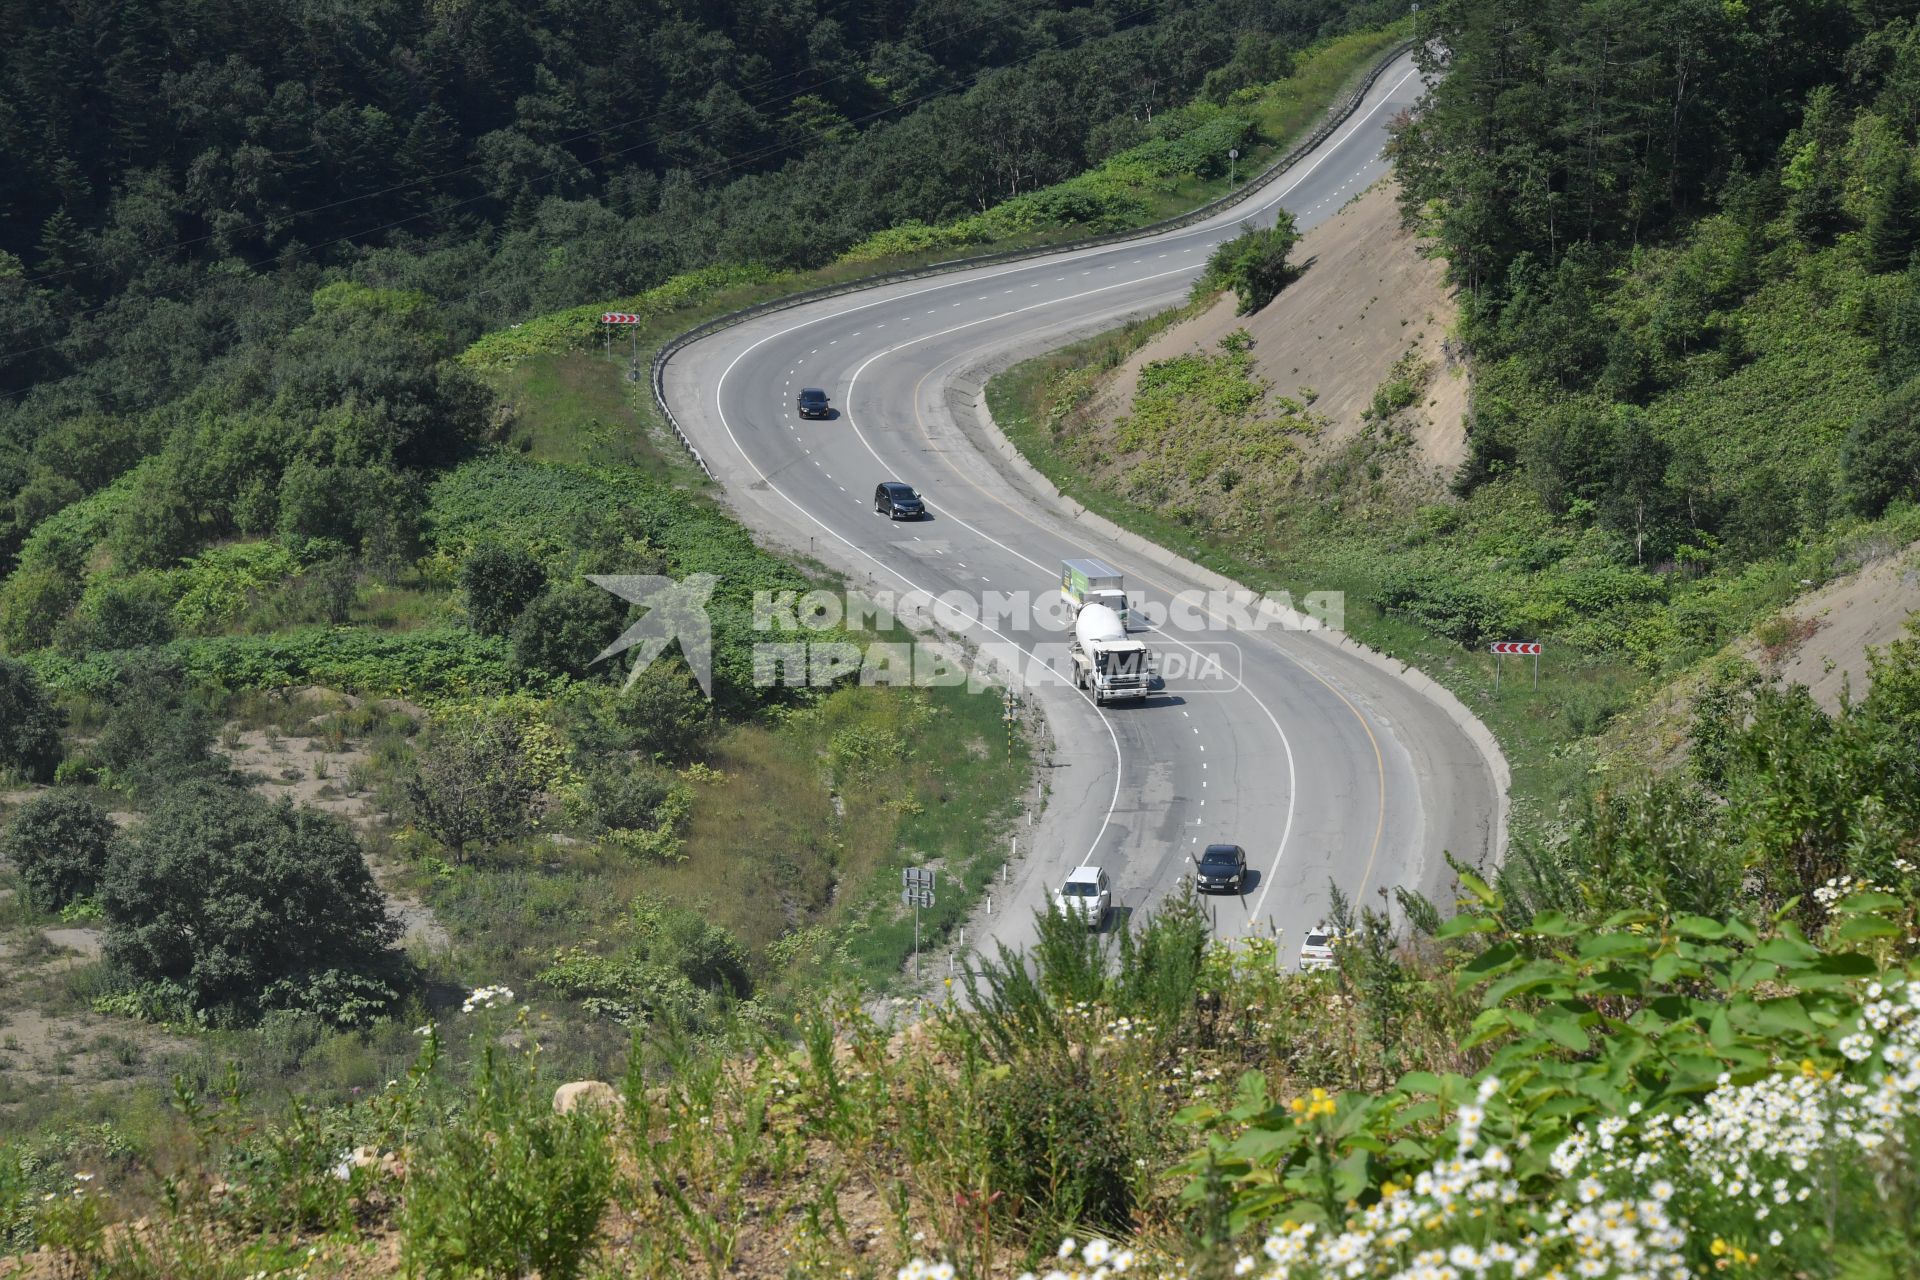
(898, 501)
(1222, 869)
(813, 403)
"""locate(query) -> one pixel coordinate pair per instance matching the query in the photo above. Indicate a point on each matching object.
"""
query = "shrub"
(59, 842)
(661, 714)
(473, 783)
(498, 583)
(29, 722)
(1881, 457)
(1254, 264)
(131, 614)
(502, 1186)
(1058, 1144)
(562, 631)
(674, 969)
(242, 905)
(32, 603)
(155, 732)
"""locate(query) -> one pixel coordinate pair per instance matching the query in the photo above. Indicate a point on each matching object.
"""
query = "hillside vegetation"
(1674, 1035)
(1688, 370)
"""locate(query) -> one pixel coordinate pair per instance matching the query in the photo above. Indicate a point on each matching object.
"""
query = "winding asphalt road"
(1324, 763)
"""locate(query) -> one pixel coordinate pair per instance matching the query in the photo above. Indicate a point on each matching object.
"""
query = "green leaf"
(1565, 1030)
(1531, 977)
(1249, 1095)
(1259, 1146)
(1491, 961)
(1552, 924)
(1488, 1026)
(1865, 929)
(1833, 970)
(1863, 903)
(1420, 1082)
(1461, 925)
(1350, 1175)
(1775, 1017)
(1418, 1113)
(1474, 885)
(1784, 951)
(1700, 927)
(1606, 945)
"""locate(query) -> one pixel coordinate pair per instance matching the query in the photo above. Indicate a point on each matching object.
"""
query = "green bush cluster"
(59, 842)
(233, 906)
(29, 722)
(1253, 264)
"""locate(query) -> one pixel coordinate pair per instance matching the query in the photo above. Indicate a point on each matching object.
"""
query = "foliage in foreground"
(1645, 1097)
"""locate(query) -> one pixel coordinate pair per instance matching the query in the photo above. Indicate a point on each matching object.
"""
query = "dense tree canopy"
(237, 905)
(59, 843)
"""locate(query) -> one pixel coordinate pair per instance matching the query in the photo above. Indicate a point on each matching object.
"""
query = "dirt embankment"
(1365, 300)
(1821, 639)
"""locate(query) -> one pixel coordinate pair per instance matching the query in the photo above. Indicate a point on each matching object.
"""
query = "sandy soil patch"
(1839, 622)
(1365, 299)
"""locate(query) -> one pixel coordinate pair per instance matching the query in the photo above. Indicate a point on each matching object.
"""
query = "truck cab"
(1106, 664)
(1084, 582)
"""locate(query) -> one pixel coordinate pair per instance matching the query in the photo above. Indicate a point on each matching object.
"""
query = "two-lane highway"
(1322, 764)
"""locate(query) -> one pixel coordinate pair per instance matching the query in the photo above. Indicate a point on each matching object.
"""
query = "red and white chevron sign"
(619, 317)
(1515, 646)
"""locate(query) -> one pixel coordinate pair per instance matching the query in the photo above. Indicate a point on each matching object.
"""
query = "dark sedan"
(1222, 869)
(898, 501)
(813, 403)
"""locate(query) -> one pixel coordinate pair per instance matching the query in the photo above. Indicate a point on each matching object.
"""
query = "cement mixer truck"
(1105, 663)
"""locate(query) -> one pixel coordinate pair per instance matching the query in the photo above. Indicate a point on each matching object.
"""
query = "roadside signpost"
(1233, 163)
(916, 891)
(617, 319)
(1503, 648)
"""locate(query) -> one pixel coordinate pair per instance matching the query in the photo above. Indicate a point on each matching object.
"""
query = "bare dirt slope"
(1365, 299)
(1832, 628)
(1820, 640)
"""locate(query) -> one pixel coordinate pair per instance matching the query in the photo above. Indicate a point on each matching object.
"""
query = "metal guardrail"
(1335, 117)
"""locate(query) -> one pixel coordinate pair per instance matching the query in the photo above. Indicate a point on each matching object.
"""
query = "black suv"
(898, 501)
(1222, 869)
(813, 403)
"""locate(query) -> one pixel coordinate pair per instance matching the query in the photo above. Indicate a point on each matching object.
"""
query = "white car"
(1316, 951)
(1085, 893)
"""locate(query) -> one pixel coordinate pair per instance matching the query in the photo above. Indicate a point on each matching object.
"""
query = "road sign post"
(1233, 164)
(615, 319)
(1502, 648)
(916, 891)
